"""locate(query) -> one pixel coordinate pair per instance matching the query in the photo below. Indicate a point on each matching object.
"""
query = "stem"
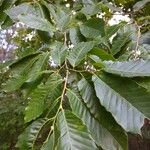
(136, 54)
(63, 94)
(65, 83)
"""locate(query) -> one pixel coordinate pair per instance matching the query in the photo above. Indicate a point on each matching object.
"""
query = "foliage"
(85, 83)
(11, 116)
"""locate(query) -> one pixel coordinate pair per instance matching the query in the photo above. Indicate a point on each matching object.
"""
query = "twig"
(136, 51)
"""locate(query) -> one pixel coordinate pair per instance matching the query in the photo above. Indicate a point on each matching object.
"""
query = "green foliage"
(73, 133)
(84, 80)
(77, 54)
(132, 68)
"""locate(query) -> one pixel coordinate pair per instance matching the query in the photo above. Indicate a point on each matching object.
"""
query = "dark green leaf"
(119, 43)
(76, 36)
(143, 82)
(102, 54)
(111, 30)
(73, 133)
(49, 143)
(77, 54)
(58, 53)
(38, 97)
(92, 28)
(28, 138)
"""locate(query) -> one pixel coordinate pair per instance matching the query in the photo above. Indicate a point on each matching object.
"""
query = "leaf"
(111, 30)
(3, 7)
(37, 22)
(58, 53)
(61, 18)
(128, 103)
(92, 103)
(39, 66)
(30, 70)
(119, 43)
(139, 5)
(5, 64)
(28, 138)
(49, 143)
(92, 28)
(77, 54)
(73, 134)
(38, 97)
(143, 82)
(20, 70)
(75, 36)
(15, 83)
(102, 54)
(131, 68)
(18, 65)
(88, 115)
(7, 23)
(22, 9)
(90, 9)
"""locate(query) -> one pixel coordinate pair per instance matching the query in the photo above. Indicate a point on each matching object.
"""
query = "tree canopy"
(85, 79)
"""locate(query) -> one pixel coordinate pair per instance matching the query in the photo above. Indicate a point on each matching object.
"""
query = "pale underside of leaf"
(102, 136)
(24, 8)
(104, 118)
(122, 100)
(36, 22)
(132, 68)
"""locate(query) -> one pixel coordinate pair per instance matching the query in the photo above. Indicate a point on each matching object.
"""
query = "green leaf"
(22, 9)
(28, 138)
(63, 21)
(90, 9)
(119, 43)
(105, 118)
(90, 114)
(76, 36)
(111, 30)
(139, 5)
(20, 70)
(131, 68)
(92, 28)
(3, 7)
(61, 18)
(39, 66)
(18, 65)
(15, 83)
(49, 143)
(143, 82)
(73, 133)
(38, 97)
(7, 23)
(37, 22)
(58, 53)
(102, 54)
(27, 71)
(5, 64)
(128, 103)
(77, 54)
